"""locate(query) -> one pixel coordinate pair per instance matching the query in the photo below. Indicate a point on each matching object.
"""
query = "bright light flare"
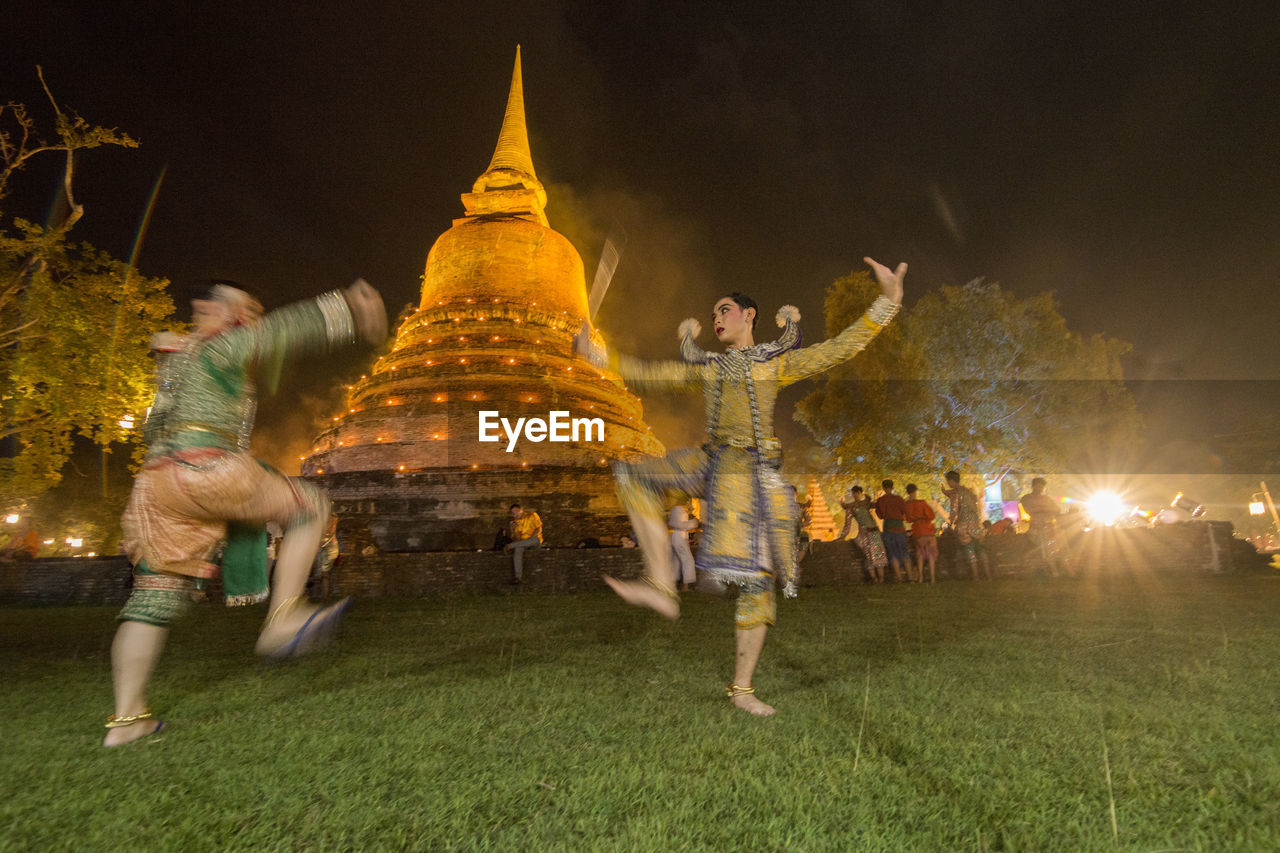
(1106, 508)
(11, 518)
(1257, 508)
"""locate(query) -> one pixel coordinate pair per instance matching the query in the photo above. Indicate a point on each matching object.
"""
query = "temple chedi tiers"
(503, 295)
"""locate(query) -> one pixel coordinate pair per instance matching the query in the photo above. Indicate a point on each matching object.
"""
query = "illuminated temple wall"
(503, 295)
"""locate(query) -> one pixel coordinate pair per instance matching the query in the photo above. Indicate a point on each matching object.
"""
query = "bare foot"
(135, 731)
(749, 703)
(643, 595)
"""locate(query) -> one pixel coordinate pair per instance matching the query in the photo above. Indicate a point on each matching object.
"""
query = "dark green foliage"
(74, 321)
(972, 378)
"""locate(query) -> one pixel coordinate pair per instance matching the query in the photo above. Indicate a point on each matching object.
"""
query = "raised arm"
(657, 375)
(799, 364)
(329, 321)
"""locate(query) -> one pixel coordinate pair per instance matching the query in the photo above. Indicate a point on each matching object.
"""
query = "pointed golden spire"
(509, 185)
(512, 152)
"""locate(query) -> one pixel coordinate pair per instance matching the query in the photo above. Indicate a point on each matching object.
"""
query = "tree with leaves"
(74, 321)
(972, 378)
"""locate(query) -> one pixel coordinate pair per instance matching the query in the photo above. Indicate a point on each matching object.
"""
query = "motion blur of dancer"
(749, 525)
(198, 477)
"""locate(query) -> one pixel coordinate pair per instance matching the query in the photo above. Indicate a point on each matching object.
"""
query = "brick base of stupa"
(462, 510)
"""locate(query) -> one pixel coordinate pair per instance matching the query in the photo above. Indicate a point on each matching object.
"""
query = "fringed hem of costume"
(246, 600)
(748, 582)
(339, 326)
(244, 564)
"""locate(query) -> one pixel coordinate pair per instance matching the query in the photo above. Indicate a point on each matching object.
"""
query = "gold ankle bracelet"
(286, 606)
(732, 690)
(667, 591)
(115, 722)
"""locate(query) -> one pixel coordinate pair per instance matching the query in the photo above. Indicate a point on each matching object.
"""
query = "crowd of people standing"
(898, 535)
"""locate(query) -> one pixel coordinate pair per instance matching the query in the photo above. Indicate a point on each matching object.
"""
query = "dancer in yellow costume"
(749, 524)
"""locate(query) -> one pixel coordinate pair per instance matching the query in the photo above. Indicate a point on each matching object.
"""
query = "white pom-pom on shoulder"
(787, 313)
(690, 327)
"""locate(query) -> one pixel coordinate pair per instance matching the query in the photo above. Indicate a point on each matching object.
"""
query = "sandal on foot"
(316, 633)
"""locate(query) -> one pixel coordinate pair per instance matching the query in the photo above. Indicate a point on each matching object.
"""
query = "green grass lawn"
(1135, 714)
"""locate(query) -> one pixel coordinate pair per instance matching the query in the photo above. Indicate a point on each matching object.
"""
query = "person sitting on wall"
(1002, 527)
(526, 532)
(24, 544)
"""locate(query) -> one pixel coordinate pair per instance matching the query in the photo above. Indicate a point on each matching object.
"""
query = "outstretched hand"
(890, 280)
(367, 310)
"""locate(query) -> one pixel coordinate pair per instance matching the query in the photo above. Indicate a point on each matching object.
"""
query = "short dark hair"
(744, 302)
(886, 484)
(856, 489)
(1039, 481)
(953, 475)
(514, 506)
(911, 487)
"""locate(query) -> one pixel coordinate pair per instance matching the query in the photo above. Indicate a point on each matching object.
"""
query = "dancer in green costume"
(198, 477)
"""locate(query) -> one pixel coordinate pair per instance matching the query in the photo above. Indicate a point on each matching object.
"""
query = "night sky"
(1121, 154)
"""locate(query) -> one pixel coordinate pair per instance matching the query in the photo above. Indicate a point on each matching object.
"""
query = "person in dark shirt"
(1042, 525)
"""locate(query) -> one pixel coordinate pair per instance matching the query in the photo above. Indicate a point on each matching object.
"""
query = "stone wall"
(58, 581)
(547, 570)
(462, 510)
(105, 580)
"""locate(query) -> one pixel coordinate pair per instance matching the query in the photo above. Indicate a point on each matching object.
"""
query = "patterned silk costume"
(965, 515)
(749, 525)
(868, 537)
(198, 475)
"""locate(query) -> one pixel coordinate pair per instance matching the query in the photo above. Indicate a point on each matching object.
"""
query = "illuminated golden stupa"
(821, 527)
(503, 295)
